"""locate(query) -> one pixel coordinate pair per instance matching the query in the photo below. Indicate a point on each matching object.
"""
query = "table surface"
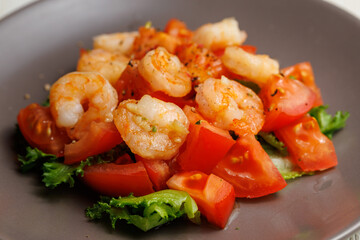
(352, 6)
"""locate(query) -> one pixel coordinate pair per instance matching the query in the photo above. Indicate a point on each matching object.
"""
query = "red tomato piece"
(200, 62)
(205, 146)
(308, 147)
(214, 196)
(304, 73)
(249, 169)
(178, 29)
(100, 138)
(158, 171)
(285, 100)
(118, 180)
(150, 39)
(40, 131)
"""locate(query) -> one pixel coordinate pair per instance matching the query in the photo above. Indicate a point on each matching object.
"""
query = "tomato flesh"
(304, 73)
(214, 196)
(100, 138)
(205, 146)
(118, 180)
(249, 169)
(40, 131)
(285, 100)
(158, 171)
(308, 147)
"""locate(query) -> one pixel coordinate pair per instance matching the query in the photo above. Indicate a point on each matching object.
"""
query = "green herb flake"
(198, 122)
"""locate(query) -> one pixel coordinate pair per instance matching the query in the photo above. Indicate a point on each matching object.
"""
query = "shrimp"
(230, 105)
(121, 42)
(257, 68)
(219, 35)
(82, 97)
(109, 64)
(153, 129)
(165, 73)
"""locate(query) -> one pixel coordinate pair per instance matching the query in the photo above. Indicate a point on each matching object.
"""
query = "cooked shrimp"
(230, 105)
(109, 64)
(165, 73)
(151, 128)
(220, 35)
(82, 96)
(121, 42)
(257, 68)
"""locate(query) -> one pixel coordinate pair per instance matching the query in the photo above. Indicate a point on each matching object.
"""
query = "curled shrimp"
(230, 105)
(257, 68)
(121, 42)
(220, 35)
(82, 97)
(152, 128)
(109, 64)
(165, 73)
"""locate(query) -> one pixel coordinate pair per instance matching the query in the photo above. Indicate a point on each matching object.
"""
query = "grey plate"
(40, 43)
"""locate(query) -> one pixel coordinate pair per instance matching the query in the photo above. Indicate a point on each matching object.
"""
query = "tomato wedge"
(40, 131)
(308, 147)
(178, 29)
(158, 171)
(205, 146)
(118, 180)
(101, 137)
(214, 196)
(285, 100)
(249, 169)
(304, 73)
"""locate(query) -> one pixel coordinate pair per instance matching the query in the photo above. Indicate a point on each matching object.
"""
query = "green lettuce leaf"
(329, 124)
(146, 212)
(271, 139)
(34, 158)
(287, 169)
(56, 173)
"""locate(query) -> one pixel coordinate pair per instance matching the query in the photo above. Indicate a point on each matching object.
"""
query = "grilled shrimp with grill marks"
(230, 105)
(152, 129)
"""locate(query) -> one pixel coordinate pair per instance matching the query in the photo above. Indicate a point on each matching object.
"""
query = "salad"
(176, 123)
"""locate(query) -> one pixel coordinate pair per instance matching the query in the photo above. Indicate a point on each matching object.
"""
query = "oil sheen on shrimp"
(230, 105)
(257, 68)
(121, 42)
(109, 64)
(165, 73)
(220, 35)
(82, 96)
(152, 128)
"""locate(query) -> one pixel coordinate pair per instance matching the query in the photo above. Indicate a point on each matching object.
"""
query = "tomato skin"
(285, 100)
(178, 29)
(101, 137)
(214, 196)
(308, 147)
(40, 131)
(200, 62)
(118, 180)
(150, 39)
(249, 169)
(205, 146)
(304, 73)
(158, 171)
